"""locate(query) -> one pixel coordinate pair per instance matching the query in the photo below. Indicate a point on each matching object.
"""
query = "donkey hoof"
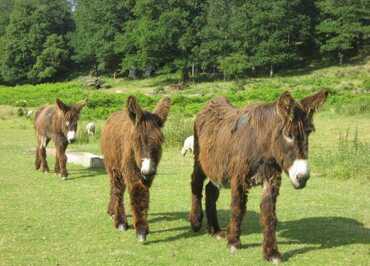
(234, 246)
(233, 249)
(122, 227)
(196, 227)
(275, 260)
(141, 237)
(220, 235)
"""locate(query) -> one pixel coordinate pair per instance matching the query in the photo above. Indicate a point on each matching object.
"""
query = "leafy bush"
(101, 105)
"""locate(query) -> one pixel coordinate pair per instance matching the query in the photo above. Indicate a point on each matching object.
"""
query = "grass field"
(47, 221)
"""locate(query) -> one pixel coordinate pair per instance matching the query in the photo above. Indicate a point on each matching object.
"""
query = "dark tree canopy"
(97, 25)
(32, 23)
(44, 40)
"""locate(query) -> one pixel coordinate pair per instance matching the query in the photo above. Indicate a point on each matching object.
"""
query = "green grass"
(349, 87)
(47, 221)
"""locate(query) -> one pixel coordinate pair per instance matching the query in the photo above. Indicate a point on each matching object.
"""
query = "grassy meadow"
(47, 221)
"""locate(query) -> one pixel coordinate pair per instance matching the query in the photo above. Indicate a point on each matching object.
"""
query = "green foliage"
(97, 26)
(234, 66)
(194, 38)
(101, 105)
(5, 9)
(33, 34)
(343, 25)
(158, 34)
(52, 60)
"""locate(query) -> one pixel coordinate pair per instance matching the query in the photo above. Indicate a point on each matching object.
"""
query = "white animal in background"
(91, 128)
(29, 113)
(188, 145)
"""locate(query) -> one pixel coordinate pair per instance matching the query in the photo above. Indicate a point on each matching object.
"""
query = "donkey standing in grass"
(248, 147)
(58, 123)
(131, 144)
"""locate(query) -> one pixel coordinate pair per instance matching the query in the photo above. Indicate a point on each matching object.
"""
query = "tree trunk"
(340, 55)
(185, 74)
(271, 70)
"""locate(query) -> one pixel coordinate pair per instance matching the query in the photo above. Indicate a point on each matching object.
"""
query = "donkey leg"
(212, 194)
(62, 158)
(37, 158)
(196, 213)
(42, 155)
(269, 219)
(116, 206)
(238, 208)
(57, 165)
(139, 197)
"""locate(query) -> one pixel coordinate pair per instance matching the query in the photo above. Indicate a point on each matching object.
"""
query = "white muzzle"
(299, 168)
(146, 166)
(71, 136)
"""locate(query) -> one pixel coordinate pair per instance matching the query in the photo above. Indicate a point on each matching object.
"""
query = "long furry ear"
(162, 109)
(62, 106)
(284, 106)
(313, 102)
(134, 110)
(81, 105)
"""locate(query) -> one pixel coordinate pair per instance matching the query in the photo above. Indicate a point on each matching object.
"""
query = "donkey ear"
(285, 105)
(313, 102)
(134, 110)
(162, 109)
(81, 105)
(61, 105)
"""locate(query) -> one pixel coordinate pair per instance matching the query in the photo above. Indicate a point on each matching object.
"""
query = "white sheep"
(188, 145)
(90, 128)
(29, 113)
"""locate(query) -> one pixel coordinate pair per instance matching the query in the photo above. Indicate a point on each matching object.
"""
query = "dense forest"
(48, 40)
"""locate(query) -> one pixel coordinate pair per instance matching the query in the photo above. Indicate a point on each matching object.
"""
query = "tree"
(161, 33)
(275, 30)
(31, 22)
(217, 42)
(5, 9)
(53, 60)
(343, 25)
(97, 25)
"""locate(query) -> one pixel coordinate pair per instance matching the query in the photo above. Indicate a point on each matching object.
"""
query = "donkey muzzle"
(299, 173)
(71, 136)
(147, 168)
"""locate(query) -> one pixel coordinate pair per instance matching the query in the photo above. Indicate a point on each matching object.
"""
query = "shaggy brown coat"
(245, 147)
(131, 144)
(59, 123)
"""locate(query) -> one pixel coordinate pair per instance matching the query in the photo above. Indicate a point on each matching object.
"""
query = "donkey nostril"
(303, 177)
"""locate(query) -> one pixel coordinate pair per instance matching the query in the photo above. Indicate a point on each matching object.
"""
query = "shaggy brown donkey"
(58, 123)
(247, 147)
(131, 144)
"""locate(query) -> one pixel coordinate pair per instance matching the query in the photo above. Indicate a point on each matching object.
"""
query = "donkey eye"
(288, 137)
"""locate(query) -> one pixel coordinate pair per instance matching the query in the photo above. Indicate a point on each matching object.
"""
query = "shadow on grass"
(85, 173)
(318, 232)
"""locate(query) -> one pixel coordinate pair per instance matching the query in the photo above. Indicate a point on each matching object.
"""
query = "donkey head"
(147, 134)
(70, 116)
(292, 137)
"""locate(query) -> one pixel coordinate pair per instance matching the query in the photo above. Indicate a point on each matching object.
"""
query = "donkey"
(58, 123)
(131, 144)
(248, 147)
